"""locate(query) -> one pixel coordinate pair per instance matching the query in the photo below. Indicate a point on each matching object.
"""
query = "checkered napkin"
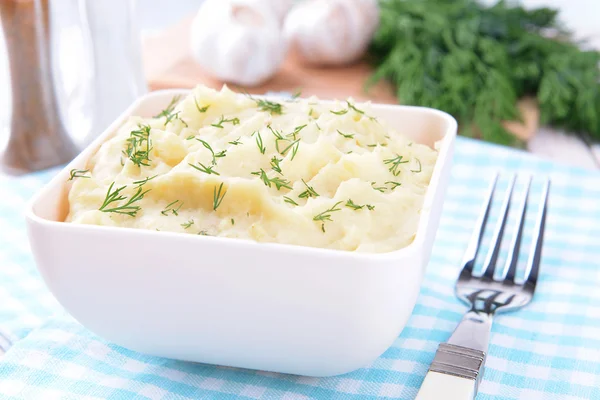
(548, 350)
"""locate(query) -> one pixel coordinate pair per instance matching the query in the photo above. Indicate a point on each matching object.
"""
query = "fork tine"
(510, 269)
(476, 236)
(490, 263)
(535, 254)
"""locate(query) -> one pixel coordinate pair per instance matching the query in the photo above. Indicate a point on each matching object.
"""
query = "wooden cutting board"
(168, 64)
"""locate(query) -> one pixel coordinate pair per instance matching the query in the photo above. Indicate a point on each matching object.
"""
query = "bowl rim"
(442, 161)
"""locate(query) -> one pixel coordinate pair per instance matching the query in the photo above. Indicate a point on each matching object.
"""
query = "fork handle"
(454, 373)
(438, 386)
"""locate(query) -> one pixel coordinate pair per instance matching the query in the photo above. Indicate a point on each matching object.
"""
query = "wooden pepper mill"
(38, 138)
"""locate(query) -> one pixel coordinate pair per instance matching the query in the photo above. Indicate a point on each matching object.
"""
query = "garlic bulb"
(331, 32)
(238, 41)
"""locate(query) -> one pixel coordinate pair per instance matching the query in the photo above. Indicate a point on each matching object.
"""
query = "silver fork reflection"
(458, 365)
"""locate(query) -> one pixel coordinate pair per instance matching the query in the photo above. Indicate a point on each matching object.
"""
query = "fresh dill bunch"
(475, 61)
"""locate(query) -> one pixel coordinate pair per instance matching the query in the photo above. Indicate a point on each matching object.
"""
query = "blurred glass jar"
(97, 63)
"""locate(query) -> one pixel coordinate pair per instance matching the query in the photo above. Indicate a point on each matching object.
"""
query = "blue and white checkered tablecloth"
(549, 350)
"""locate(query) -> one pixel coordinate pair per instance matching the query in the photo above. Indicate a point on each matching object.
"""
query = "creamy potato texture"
(286, 171)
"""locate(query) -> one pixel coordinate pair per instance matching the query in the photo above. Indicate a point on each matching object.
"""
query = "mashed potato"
(224, 164)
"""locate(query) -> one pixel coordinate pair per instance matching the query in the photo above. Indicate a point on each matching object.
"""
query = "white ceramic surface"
(232, 302)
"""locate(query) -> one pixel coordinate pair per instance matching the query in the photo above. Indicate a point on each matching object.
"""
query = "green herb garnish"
(209, 148)
(288, 200)
(169, 110)
(236, 141)
(394, 184)
(326, 215)
(232, 221)
(297, 131)
(218, 196)
(188, 224)
(207, 170)
(353, 205)
(200, 109)
(347, 136)
(259, 143)
(309, 192)
(279, 183)
(379, 189)
(395, 164)
(275, 164)
(270, 106)
(340, 112)
(356, 207)
(234, 121)
(420, 169)
(115, 196)
(139, 146)
(171, 208)
(78, 173)
(144, 181)
(294, 146)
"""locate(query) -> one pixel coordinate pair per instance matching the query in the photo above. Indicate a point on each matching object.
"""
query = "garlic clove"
(238, 41)
(331, 32)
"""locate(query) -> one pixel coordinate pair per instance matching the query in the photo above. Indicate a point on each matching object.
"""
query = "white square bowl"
(266, 306)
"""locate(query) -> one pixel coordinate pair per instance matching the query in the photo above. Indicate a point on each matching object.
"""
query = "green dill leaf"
(207, 170)
(259, 143)
(169, 110)
(309, 192)
(232, 221)
(290, 201)
(218, 196)
(420, 169)
(340, 112)
(269, 106)
(394, 184)
(170, 208)
(395, 164)
(279, 182)
(352, 205)
(219, 124)
(378, 188)
(144, 181)
(326, 215)
(201, 109)
(188, 224)
(347, 136)
(78, 173)
(139, 146)
(128, 208)
(275, 164)
(236, 141)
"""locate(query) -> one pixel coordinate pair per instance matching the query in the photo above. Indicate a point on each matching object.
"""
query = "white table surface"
(155, 15)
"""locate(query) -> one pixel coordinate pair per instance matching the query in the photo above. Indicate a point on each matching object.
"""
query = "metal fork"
(458, 365)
